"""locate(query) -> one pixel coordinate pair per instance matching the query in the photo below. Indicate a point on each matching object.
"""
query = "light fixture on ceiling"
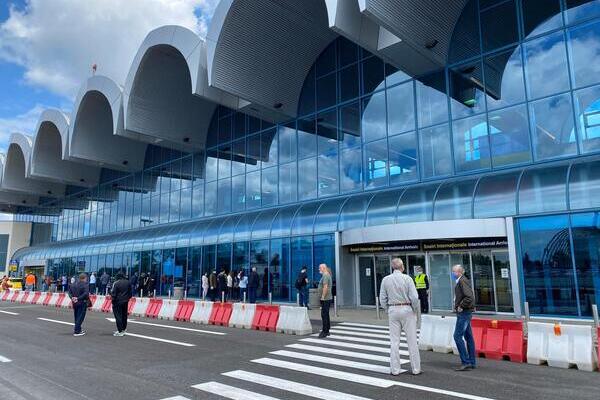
(277, 106)
(430, 44)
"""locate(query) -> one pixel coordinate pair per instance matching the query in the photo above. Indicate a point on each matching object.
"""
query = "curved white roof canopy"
(95, 133)
(262, 50)
(17, 166)
(50, 146)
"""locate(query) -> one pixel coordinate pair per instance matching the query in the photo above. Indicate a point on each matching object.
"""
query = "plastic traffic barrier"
(107, 305)
(5, 294)
(437, 333)
(53, 300)
(265, 318)
(153, 308)
(168, 309)
(499, 340)
(130, 305)
(47, 298)
(140, 306)
(242, 315)
(294, 321)
(202, 312)
(21, 297)
(221, 312)
(61, 299)
(98, 303)
(184, 310)
(33, 299)
(93, 300)
(598, 336)
(561, 346)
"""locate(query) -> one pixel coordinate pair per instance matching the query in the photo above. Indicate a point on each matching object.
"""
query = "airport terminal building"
(346, 132)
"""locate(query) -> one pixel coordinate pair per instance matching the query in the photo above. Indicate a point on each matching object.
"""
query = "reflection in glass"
(543, 190)
(403, 158)
(471, 145)
(440, 280)
(307, 184)
(509, 136)
(353, 212)
(435, 151)
(288, 183)
(351, 176)
(584, 185)
(483, 280)
(349, 135)
(552, 127)
(587, 108)
(504, 78)
(307, 138)
(499, 26)
(495, 196)
(253, 190)
(416, 204)
(268, 145)
(586, 242)
(581, 9)
(327, 216)
(466, 90)
(584, 48)
(546, 65)
(382, 209)
(540, 16)
(269, 187)
(401, 109)
(454, 200)
(372, 75)
(287, 142)
(349, 82)
(373, 117)
(376, 164)
(326, 91)
(432, 105)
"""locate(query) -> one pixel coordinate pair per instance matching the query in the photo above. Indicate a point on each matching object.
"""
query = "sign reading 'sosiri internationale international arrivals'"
(431, 245)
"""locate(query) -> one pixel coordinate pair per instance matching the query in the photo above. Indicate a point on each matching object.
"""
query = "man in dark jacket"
(253, 281)
(79, 292)
(464, 305)
(302, 287)
(212, 281)
(120, 294)
(222, 283)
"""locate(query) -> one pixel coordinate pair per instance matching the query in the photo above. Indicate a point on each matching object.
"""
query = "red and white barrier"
(168, 309)
(140, 306)
(202, 312)
(242, 315)
(294, 321)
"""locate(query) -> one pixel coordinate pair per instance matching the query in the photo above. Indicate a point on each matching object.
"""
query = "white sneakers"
(82, 333)
(119, 334)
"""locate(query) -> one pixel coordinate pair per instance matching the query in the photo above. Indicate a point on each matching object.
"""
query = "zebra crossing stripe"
(291, 386)
(231, 392)
(363, 325)
(357, 346)
(334, 361)
(361, 334)
(363, 340)
(337, 352)
(368, 330)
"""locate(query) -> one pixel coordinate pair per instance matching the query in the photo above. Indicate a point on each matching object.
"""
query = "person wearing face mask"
(464, 305)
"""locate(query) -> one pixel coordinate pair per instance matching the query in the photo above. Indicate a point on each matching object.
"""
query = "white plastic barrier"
(40, 300)
(294, 321)
(426, 336)
(140, 306)
(168, 309)
(29, 298)
(19, 296)
(437, 333)
(202, 311)
(563, 347)
(53, 299)
(98, 303)
(242, 315)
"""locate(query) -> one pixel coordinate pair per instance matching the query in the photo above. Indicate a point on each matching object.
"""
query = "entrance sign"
(432, 245)
(504, 273)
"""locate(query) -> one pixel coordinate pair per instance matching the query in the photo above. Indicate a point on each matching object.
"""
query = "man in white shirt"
(399, 295)
(93, 283)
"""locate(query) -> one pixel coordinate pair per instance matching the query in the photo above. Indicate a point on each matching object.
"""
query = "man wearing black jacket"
(253, 282)
(120, 294)
(464, 305)
(79, 293)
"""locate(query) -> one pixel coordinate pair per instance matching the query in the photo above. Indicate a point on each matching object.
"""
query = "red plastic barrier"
(23, 299)
(47, 299)
(107, 305)
(184, 310)
(265, 318)
(59, 301)
(35, 298)
(130, 305)
(5, 295)
(500, 340)
(599, 344)
(153, 308)
(220, 314)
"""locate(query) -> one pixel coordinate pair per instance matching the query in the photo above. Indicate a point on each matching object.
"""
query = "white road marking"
(352, 345)
(337, 352)
(4, 359)
(362, 334)
(8, 312)
(362, 325)
(160, 340)
(363, 340)
(370, 330)
(231, 392)
(334, 361)
(56, 321)
(362, 379)
(176, 398)
(291, 386)
(171, 327)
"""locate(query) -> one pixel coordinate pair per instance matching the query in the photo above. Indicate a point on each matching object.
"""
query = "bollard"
(154, 292)
(526, 310)
(298, 299)
(335, 313)
(270, 298)
(185, 294)
(169, 294)
(96, 291)
(244, 296)
(141, 293)
(222, 297)
(377, 307)
(595, 314)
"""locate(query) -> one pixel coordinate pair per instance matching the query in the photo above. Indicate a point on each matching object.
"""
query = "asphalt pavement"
(156, 360)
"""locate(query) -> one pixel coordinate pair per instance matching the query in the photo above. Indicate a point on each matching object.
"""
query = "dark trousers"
(120, 312)
(325, 304)
(92, 288)
(252, 295)
(424, 299)
(79, 311)
(463, 330)
(303, 296)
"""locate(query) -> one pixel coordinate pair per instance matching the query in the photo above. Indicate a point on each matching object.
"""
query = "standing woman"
(230, 285)
(243, 284)
(204, 285)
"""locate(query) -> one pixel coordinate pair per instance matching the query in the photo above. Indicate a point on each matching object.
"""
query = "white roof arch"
(95, 133)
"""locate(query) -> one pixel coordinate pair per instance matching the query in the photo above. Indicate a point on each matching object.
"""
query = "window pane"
(401, 108)
(306, 104)
(307, 184)
(269, 186)
(382, 209)
(351, 175)
(210, 199)
(584, 47)
(584, 185)
(326, 61)
(543, 190)
(471, 145)
(328, 174)
(281, 225)
(349, 82)
(499, 26)
(581, 9)
(353, 212)
(324, 251)
(393, 75)
(224, 204)
(376, 160)
(225, 161)
(547, 269)
(287, 142)
(253, 190)
(540, 16)
(466, 90)
(586, 236)
(509, 136)
(279, 269)
(454, 201)
(288, 183)
(504, 79)
(432, 104)
(403, 158)
(435, 151)
(372, 75)
(262, 224)
(496, 196)
(326, 91)
(552, 127)
(327, 216)
(373, 117)
(253, 153)
(546, 65)
(238, 164)
(587, 106)
(268, 144)
(307, 138)
(350, 125)
(303, 223)
(347, 52)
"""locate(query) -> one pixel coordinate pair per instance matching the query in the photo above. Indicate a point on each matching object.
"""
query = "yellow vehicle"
(15, 283)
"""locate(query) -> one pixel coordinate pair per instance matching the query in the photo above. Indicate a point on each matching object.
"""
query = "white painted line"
(4, 359)
(362, 379)
(328, 372)
(231, 392)
(362, 334)
(181, 328)
(363, 340)
(291, 386)
(57, 321)
(369, 330)
(176, 398)
(8, 312)
(363, 325)
(376, 349)
(333, 361)
(160, 340)
(337, 352)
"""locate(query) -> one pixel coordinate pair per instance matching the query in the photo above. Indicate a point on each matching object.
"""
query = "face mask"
(454, 276)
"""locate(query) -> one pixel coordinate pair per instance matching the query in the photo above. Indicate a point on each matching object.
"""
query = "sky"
(47, 48)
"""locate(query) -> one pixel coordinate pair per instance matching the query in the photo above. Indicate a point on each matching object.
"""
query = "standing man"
(464, 305)
(134, 283)
(212, 281)
(79, 292)
(93, 283)
(325, 285)
(422, 284)
(30, 282)
(253, 281)
(302, 287)
(120, 294)
(104, 279)
(399, 295)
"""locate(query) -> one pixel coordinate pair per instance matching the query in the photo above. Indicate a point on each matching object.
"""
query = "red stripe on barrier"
(60, 299)
(107, 305)
(130, 305)
(499, 340)
(5, 295)
(47, 299)
(598, 345)
(220, 314)
(184, 310)
(23, 299)
(265, 318)
(36, 297)
(93, 299)
(153, 308)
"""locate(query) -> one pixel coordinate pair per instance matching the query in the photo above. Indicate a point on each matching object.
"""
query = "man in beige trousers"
(399, 295)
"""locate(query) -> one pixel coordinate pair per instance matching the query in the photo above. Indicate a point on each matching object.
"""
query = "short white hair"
(398, 264)
(458, 268)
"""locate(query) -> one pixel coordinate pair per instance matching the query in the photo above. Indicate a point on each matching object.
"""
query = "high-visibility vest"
(420, 281)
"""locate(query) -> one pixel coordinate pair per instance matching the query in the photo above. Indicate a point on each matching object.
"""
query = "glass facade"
(506, 128)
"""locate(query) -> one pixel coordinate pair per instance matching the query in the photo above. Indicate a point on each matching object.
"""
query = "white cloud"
(23, 123)
(57, 41)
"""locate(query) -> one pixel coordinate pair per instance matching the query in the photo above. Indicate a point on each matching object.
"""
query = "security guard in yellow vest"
(422, 284)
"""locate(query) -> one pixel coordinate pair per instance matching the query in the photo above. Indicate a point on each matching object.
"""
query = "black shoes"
(323, 335)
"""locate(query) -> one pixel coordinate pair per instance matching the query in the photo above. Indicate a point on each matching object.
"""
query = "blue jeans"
(303, 296)
(463, 330)
(79, 311)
